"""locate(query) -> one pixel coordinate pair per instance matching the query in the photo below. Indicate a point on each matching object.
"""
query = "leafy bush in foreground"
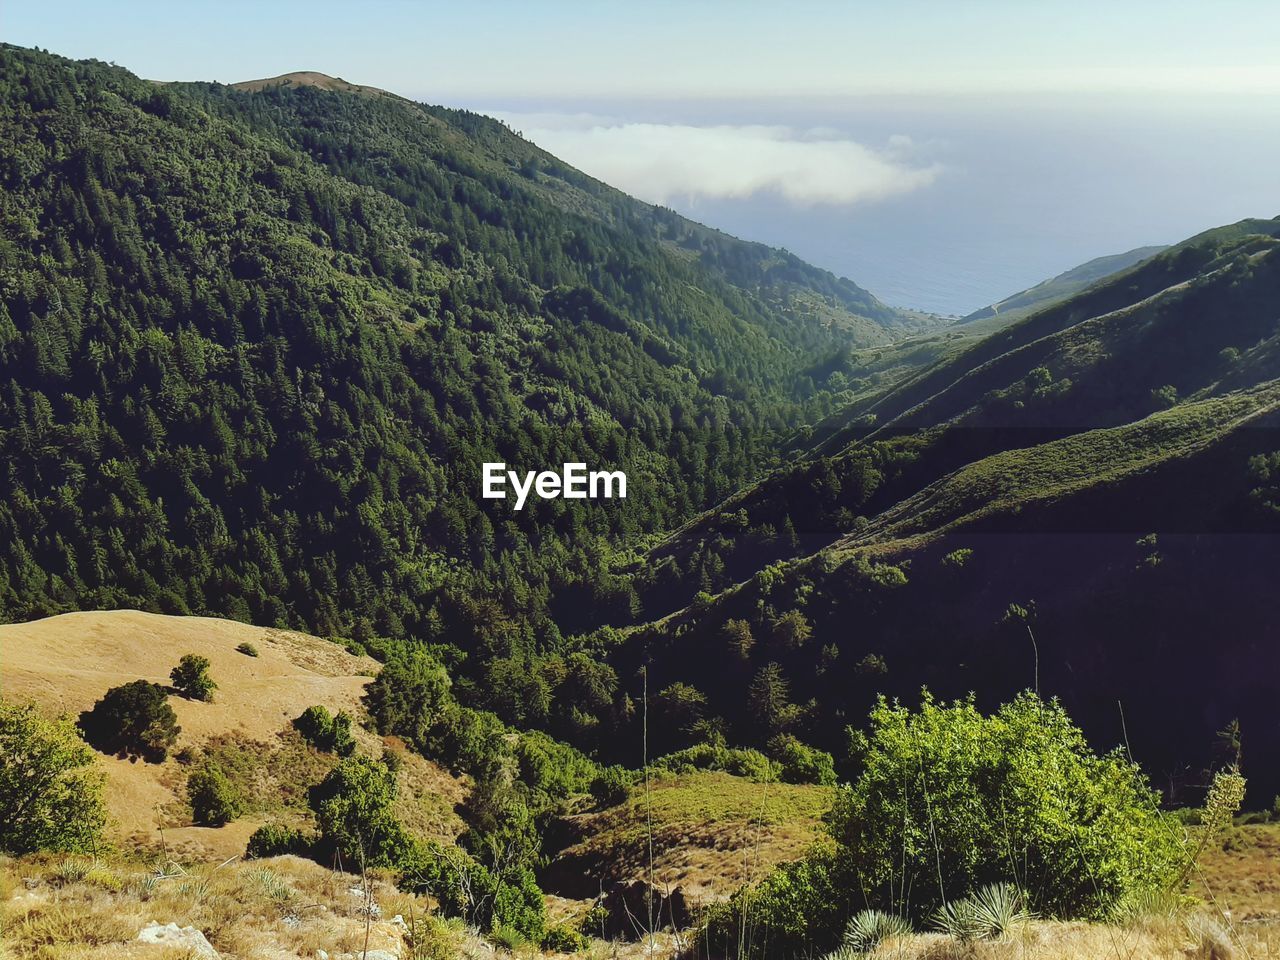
(950, 802)
(50, 791)
(466, 888)
(1018, 796)
(353, 808)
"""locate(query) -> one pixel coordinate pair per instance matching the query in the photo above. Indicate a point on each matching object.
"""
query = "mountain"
(1059, 288)
(1104, 469)
(255, 346)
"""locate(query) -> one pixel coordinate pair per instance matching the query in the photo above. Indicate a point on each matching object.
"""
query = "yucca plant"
(1000, 910)
(957, 920)
(1160, 904)
(995, 912)
(866, 930)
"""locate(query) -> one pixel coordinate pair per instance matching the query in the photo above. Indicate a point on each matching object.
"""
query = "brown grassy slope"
(67, 663)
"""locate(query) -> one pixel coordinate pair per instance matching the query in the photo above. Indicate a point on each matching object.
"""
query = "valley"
(260, 345)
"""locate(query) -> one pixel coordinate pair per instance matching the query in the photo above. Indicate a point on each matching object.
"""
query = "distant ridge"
(1064, 285)
(311, 78)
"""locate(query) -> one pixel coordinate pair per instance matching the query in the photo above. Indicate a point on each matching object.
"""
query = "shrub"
(797, 910)
(551, 769)
(191, 678)
(132, 720)
(715, 755)
(214, 801)
(353, 808)
(563, 938)
(275, 840)
(325, 731)
(801, 763)
(50, 790)
(612, 786)
(466, 888)
(247, 648)
(971, 799)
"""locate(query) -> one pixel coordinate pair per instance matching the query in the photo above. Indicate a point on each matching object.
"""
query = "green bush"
(214, 800)
(132, 720)
(50, 788)
(325, 731)
(563, 938)
(715, 755)
(801, 763)
(466, 888)
(1015, 797)
(275, 840)
(353, 808)
(612, 786)
(796, 911)
(191, 678)
(247, 648)
(551, 769)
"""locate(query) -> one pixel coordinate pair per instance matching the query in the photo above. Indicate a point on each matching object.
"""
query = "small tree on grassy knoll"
(132, 720)
(191, 678)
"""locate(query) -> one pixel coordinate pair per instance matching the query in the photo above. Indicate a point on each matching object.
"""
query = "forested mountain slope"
(1087, 501)
(255, 346)
(1197, 321)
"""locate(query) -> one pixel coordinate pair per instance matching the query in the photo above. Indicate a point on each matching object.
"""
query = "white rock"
(171, 935)
(399, 921)
(322, 955)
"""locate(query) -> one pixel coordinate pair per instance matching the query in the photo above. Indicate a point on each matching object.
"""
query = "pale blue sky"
(697, 48)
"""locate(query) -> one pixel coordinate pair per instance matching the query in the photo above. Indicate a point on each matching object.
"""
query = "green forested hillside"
(256, 345)
(1086, 500)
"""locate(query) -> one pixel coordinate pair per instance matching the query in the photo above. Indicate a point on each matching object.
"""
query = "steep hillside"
(255, 346)
(1059, 288)
(1195, 322)
(1076, 502)
(66, 663)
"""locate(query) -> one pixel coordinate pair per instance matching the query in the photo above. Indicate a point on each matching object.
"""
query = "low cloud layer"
(666, 163)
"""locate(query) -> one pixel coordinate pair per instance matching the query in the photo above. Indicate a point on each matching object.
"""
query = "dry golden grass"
(1196, 936)
(258, 910)
(66, 663)
(1242, 873)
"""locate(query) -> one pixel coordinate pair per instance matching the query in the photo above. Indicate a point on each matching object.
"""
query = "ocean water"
(1026, 187)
